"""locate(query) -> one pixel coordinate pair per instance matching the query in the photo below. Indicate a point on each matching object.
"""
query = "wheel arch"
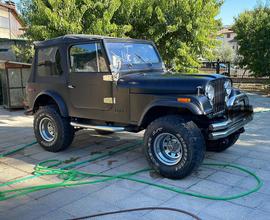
(51, 98)
(162, 108)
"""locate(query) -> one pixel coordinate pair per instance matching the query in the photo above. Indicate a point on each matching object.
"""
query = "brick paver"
(251, 151)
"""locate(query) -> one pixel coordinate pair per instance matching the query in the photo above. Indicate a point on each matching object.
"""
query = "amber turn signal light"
(183, 100)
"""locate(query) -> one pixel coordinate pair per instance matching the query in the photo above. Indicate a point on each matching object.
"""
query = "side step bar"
(95, 127)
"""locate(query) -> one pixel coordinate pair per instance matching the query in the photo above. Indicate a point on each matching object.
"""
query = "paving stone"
(227, 211)
(183, 183)
(25, 164)
(265, 188)
(263, 174)
(265, 206)
(131, 185)
(116, 192)
(224, 156)
(9, 173)
(160, 214)
(44, 155)
(225, 178)
(208, 187)
(137, 200)
(257, 215)
(207, 216)
(62, 197)
(259, 155)
(29, 211)
(87, 206)
(252, 201)
(188, 203)
(157, 193)
(248, 183)
(251, 150)
(42, 193)
(122, 216)
(203, 172)
(252, 163)
(93, 168)
(7, 205)
(57, 214)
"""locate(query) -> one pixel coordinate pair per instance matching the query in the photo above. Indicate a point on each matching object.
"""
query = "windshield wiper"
(137, 55)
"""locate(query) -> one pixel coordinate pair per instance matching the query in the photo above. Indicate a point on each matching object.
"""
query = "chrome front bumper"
(240, 113)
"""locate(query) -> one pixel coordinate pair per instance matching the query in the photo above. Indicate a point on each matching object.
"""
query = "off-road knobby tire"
(189, 136)
(64, 131)
(222, 144)
(101, 132)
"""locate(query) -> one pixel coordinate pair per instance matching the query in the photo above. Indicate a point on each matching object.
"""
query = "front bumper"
(239, 114)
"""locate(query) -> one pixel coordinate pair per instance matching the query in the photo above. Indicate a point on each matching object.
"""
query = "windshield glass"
(131, 54)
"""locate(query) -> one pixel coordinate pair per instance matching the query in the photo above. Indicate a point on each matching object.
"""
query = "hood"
(162, 83)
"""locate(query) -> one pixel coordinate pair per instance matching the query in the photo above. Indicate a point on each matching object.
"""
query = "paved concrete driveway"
(251, 151)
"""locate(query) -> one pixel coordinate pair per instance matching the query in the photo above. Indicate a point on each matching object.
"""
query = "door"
(88, 87)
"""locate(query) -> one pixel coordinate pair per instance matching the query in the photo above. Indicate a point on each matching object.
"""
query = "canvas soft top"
(67, 39)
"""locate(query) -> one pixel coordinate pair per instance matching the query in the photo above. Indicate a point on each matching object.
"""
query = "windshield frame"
(135, 67)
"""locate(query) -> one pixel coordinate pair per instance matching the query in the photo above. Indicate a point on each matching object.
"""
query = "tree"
(224, 53)
(184, 30)
(253, 31)
(24, 52)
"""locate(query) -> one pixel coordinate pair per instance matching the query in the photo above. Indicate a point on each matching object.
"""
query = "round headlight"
(228, 87)
(210, 92)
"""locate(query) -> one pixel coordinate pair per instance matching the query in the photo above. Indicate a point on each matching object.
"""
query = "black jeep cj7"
(112, 85)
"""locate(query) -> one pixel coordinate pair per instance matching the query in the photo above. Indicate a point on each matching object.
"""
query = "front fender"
(199, 105)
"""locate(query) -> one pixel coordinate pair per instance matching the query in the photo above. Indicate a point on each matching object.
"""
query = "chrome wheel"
(168, 149)
(47, 130)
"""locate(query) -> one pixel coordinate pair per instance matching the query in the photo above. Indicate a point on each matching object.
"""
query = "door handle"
(71, 86)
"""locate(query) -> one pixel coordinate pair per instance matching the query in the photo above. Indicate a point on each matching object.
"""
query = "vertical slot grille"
(219, 99)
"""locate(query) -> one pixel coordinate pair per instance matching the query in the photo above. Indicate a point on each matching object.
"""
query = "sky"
(232, 8)
(229, 10)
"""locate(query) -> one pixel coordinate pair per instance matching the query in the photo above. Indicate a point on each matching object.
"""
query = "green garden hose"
(75, 178)
(17, 150)
(72, 177)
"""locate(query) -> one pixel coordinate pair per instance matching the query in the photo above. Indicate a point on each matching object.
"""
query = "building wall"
(6, 50)
(4, 23)
(227, 37)
(10, 32)
(10, 27)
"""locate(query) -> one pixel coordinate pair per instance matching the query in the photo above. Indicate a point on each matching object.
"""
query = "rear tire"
(53, 132)
(222, 144)
(174, 147)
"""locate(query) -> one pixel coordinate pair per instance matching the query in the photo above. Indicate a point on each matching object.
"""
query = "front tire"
(53, 132)
(174, 147)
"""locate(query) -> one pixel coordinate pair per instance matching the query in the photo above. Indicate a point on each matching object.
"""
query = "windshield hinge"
(109, 100)
(108, 78)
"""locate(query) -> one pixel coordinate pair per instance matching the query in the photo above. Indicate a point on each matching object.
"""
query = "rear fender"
(56, 98)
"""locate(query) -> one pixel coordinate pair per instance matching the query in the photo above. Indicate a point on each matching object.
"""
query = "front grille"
(219, 99)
